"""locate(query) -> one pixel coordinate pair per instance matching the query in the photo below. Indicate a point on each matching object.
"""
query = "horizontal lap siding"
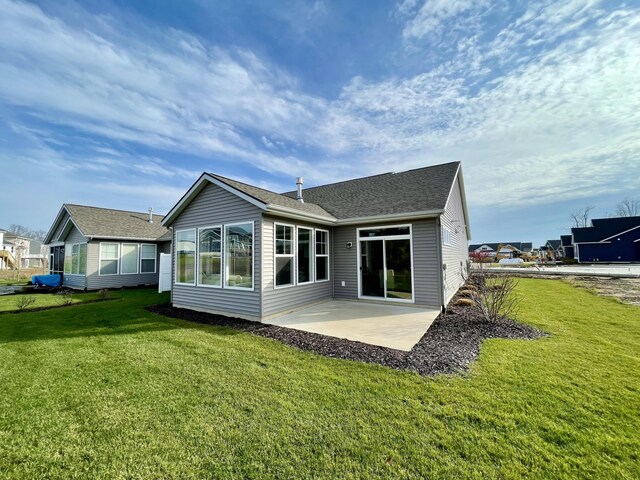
(96, 281)
(215, 206)
(276, 300)
(344, 262)
(425, 263)
(454, 256)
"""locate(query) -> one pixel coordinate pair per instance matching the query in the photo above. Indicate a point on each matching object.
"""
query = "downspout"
(443, 307)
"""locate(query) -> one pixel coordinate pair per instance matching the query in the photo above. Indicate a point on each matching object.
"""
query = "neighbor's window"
(238, 259)
(75, 260)
(129, 258)
(109, 258)
(305, 255)
(148, 254)
(284, 255)
(185, 256)
(210, 256)
(322, 255)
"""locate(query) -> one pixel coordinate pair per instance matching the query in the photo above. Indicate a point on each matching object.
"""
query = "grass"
(8, 302)
(110, 390)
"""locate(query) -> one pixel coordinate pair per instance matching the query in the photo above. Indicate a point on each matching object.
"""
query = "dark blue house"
(608, 240)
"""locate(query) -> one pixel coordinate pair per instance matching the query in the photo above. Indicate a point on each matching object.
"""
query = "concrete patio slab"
(392, 326)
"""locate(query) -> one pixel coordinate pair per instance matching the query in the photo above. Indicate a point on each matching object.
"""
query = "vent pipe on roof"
(150, 215)
(299, 184)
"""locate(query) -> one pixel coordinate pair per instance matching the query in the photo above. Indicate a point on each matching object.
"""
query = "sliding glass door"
(385, 263)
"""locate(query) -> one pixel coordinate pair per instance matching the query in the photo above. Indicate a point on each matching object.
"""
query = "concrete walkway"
(387, 325)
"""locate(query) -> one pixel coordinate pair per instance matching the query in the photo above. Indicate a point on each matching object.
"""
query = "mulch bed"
(450, 345)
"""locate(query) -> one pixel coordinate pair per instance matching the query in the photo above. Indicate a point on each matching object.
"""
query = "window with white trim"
(148, 255)
(186, 256)
(284, 255)
(109, 258)
(322, 255)
(305, 255)
(210, 256)
(238, 255)
(129, 258)
(75, 260)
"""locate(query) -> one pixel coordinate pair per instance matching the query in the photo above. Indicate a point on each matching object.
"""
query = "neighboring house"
(248, 252)
(567, 246)
(554, 249)
(608, 240)
(501, 249)
(17, 251)
(96, 248)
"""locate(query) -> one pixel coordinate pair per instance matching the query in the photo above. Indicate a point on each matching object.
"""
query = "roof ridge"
(111, 209)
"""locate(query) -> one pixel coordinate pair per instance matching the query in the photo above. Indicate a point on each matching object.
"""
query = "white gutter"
(300, 215)
(391, 217)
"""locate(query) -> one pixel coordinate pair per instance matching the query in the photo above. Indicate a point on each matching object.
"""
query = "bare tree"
(580, 218)
(629, 207)
(493, 296)
(19, 230)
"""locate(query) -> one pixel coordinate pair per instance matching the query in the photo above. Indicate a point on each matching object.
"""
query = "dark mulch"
(449, 346)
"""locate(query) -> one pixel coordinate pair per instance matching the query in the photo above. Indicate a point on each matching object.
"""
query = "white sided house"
(94, 248)
(243, 251)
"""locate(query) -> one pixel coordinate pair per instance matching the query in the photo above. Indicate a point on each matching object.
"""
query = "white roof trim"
(70, 219)
(621, 233)
(55, 223)
(463, 196)
(593, 243)
(391, 217)
(197, 187)
(140, 239)
(299, 214)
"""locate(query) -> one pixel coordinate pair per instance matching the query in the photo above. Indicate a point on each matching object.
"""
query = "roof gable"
(96, 222)
(604, 228)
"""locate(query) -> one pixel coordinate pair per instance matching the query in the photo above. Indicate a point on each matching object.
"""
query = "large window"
(322, 255)
(305, 255)
(75, 260)
(129, 263)
(238, 241)
(283, 255)
(210, 256)
(109, 258)
(185, 256)
(148, 255)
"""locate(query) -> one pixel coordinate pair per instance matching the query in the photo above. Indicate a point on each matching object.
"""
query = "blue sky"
(123, 104)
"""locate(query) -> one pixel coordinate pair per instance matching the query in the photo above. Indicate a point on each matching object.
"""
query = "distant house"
(244, 251)
(501, 249)
(18, 251)
(554, 249)
(94, 248)
(608, 240)
(567, 246)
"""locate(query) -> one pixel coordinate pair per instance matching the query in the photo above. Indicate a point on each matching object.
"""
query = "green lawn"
(8, 302)
(109, 390)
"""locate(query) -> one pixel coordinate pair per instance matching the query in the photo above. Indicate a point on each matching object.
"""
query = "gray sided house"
(244, 251)
(94, 248)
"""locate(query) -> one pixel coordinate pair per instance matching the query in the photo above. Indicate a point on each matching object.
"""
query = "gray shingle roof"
(418, 190)
(272, 198)
(105, 222)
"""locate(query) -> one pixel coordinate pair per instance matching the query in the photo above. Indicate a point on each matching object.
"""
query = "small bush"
(24, 301)
(104, 294)
(65, 297)
(493, 295)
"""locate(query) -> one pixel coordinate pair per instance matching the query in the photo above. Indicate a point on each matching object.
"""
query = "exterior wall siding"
(59, 227)
(97, 282)
(215, 206)
(454, 255)
(345, 262)
(283, 299)
(426, 266)
(425, 261)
